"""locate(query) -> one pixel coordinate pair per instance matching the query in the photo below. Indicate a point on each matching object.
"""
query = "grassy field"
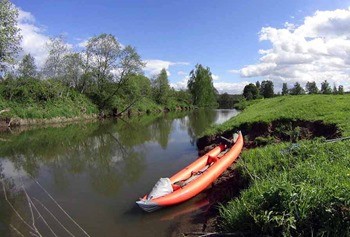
(293, 189)
(328, 108)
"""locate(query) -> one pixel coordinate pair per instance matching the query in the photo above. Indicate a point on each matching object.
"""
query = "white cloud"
(83, 43)
(215, 77)
(181, 84)
(230, 87)
(34, 40)
(316, 50)
(235, 71)
(182, 73)
(154, 66)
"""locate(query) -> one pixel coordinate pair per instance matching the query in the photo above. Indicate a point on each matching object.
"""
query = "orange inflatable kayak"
(193, 179)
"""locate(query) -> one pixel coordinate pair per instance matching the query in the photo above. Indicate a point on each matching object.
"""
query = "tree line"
(265, 89)
(108, 73)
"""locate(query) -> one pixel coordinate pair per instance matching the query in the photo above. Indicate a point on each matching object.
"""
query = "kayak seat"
(177, 186)
(212, 159)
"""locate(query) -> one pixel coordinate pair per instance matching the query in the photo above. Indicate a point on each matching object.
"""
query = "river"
(96, 171)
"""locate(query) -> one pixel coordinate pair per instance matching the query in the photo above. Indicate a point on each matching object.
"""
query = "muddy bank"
(282, 130)
(16, 122)
(7, 122)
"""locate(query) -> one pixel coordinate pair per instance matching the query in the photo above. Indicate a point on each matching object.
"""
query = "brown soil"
(282, 130)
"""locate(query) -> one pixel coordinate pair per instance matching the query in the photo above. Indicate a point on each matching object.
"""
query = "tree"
(54, 64)
(335, 90)
(27, 67)
(325, 88)
(250, 92)
(311, 88)
(73, 71)
(257, 84)
(266, 89)
(341, 90)
(297, 89)
(109, 67)
(161, 87)
(9, 34)
(103, 52)
(285, 90)
(201, 87)
(226, 101)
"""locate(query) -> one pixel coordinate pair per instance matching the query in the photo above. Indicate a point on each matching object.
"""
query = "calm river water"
(96, 172)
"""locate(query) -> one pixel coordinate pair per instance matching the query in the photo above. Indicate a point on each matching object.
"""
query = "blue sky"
(223, 35)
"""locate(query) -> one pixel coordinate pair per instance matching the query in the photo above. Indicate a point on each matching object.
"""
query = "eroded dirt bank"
(282, 130)
(229, 185)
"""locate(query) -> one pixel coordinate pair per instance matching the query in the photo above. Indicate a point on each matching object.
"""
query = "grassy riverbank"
(292, 189)
(30, 101)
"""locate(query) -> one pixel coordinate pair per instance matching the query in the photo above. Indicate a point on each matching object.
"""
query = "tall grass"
(300, 189)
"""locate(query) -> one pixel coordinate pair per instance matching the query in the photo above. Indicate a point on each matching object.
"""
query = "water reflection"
(100, 169)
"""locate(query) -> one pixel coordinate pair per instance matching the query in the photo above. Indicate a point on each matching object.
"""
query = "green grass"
(299, 189)
(29, 98)
(329, 108)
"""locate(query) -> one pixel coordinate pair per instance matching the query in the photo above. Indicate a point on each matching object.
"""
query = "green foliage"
(285, 90)
(33, 98)
(54, 64)
(161, 88)
(251, 92)
(297, 89)
(294, 191)
(326, 88)
(266, 89)
(9, 34)
(227, 101)
(311, 88)
(27, 67)
(328, 108)
(200, 85)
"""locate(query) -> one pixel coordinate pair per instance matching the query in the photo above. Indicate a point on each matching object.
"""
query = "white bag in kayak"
(161, 188)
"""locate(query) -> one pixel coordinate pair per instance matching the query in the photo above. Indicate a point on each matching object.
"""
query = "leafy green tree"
(335, 90)
(54, 64)
(266, 89)
(250, 92)
(27, 67)
(161, 87)
(103, 52)
(341, 90)
(325, 88)
(226, 101)
(183, 96)
(311, 88)
(136, 87)
(201, 87)
(297, 89)
(257, 84)
(9, 34)
(285, 90)
(72, 65)
(109, 66)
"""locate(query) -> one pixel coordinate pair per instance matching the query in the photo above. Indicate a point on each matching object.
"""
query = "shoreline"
(7, 122)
